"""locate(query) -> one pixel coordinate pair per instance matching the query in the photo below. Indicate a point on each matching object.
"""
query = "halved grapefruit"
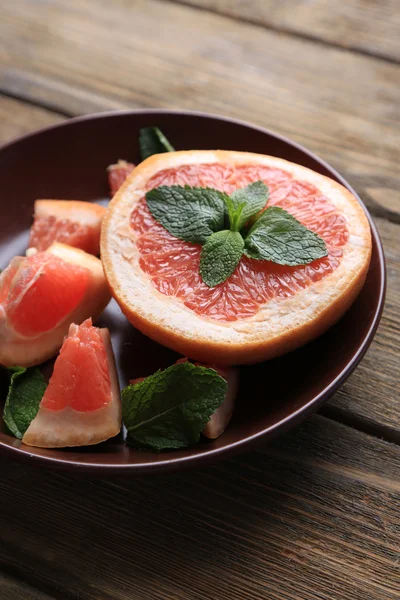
(264, 309)
(71, 222)
(41, 295)
(117, 173)
(81, 405)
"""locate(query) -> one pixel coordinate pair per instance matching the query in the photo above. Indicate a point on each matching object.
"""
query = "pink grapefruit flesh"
(81, 405)
(117, 173)
(173, 264)
(71, 222)
(39, 297)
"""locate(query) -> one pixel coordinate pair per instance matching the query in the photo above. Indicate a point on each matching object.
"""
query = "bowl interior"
(69, 161)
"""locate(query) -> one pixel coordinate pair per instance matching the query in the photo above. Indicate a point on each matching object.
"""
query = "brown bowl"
(69, 161)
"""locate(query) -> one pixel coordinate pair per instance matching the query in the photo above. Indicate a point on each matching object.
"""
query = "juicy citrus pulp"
(81, 405)
(71, 222)
(117, 174)
(80, 377)
(39, 297)
(37, 292)
(173, 264)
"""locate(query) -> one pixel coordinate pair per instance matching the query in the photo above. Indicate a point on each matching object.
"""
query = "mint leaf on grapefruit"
(189, 213)
(171, 408)
(153, 141)
(253, 198)
(280, 238)
(26, 390)
(198, 215)
(220, 256)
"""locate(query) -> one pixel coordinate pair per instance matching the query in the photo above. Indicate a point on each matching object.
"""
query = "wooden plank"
(17, 118)
(342, 105)
(11, 589)
(369, 398)
(362, 25)
(312, 516)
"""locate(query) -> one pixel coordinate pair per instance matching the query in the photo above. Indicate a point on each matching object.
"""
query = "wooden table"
(316, 514)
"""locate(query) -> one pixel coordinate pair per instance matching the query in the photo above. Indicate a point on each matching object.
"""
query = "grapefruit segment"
(81, 405)
(39, 297)
(263, 309)
(117, 173)
(71, 222)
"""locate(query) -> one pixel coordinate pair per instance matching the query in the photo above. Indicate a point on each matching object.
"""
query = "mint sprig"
(220, 256)
(221, 224)
(248, 201)
(171, 408)
(279, 237)
(26, 390)
(189, 213)
(153, 141)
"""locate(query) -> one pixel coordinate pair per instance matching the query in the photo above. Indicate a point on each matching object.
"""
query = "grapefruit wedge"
(71, 222)
(263, 310)
(41, 295)
(117, 173)
(81, 405)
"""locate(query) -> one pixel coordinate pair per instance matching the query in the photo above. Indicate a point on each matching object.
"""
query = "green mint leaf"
(253, 198)
(234, 212)
(220, 256)
(153, 141)
(189, 213)
(282, 239)
(171, 408)
(26, 390)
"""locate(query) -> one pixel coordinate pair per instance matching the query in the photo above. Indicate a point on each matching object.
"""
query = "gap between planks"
(31, 101)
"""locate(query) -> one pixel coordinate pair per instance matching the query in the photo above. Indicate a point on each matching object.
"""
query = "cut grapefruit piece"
(81, 405)
(71, 222)
(117, 173)
(263, 310)
(39, 297)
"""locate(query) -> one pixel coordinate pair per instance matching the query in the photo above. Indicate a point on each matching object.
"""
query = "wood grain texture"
(11, 589)
(17, 118)
(362, 25)
(312, 516)
(369, 398)
(342, 105)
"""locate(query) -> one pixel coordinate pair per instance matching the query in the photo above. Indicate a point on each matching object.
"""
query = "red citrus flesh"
(71, 222)
(37, 292)
(47, 229)
(173, 265)
(117, 174)
(81, 378)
